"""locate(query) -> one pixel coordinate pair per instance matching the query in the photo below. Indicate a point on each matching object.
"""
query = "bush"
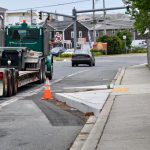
(96, 52)
(114, 44)
(128, 35)
(138, 50)
(65, 55)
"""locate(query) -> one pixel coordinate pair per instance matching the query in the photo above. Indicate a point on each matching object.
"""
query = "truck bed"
(26, 77)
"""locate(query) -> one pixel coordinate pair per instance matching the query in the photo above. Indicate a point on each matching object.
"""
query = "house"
(112, 24)
(18, 17)
(2, 17)
(63, 32)
(2, 23)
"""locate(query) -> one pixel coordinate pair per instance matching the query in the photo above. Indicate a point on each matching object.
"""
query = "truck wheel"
(10, 90)
(5, 83)
(40, 75)
(51, 73)
(43, 72)
(15, 82)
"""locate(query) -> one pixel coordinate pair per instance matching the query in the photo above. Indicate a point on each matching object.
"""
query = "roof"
(87, 17)
(109, 24)
(122, 22)
(61, 25)
(2, 9)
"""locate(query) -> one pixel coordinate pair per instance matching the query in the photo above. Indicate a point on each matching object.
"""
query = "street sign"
(58, 37)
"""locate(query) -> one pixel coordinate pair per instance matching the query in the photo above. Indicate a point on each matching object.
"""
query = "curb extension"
(91, 138)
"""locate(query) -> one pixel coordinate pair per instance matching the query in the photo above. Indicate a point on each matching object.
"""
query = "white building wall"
(14, 18)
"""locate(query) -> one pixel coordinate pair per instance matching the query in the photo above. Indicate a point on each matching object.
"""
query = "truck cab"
(33, 37)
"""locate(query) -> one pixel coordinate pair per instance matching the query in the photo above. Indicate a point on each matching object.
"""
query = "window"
(80, 34)
(72, 34)
(97, 34)
(23, 34)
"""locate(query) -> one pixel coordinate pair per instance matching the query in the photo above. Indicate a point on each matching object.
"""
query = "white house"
(18, 17)
(2, 16)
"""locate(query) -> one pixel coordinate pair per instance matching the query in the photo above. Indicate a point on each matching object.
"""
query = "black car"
(83, 57)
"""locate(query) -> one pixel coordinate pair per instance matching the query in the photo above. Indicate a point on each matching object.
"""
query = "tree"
(128, 35)
(140, 11)
(114, 44)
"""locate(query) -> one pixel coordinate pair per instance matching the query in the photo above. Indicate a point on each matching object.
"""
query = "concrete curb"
(98, 128)
(84, 133)
(120, 76)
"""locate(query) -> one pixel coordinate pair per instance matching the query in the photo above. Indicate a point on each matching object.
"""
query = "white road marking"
(58, 80)
(78, 72)
(8, 102)
(36, 90)
(139, 65)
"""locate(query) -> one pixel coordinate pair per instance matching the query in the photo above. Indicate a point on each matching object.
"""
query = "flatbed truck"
(25, 58)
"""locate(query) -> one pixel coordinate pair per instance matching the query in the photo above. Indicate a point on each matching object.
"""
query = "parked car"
(83, 57)
(57, 50)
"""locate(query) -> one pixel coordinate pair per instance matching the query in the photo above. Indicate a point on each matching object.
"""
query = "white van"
(139, 43)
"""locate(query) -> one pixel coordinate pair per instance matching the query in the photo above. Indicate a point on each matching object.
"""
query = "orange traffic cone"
(47, 95)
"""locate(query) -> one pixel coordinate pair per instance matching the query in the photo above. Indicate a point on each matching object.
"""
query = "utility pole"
(104, 17)
(74, 14)
(31, 16)
(94, 35)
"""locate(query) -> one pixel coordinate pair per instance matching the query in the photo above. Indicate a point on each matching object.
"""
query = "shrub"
(96, 52)
(138, 50)
(128, 35)
(65, 55)
(114, 44)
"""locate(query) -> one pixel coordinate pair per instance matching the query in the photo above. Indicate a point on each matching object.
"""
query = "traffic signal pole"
(75, 27)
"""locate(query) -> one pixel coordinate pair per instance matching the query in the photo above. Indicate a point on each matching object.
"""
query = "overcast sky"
(65, 9)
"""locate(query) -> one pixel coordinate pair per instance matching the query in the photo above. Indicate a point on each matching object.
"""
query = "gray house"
(111, 26)
(62, 31)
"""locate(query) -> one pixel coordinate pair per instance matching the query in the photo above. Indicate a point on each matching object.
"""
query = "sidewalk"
(127, 124)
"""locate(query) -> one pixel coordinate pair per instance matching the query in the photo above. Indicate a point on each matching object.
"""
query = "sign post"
(124, 37)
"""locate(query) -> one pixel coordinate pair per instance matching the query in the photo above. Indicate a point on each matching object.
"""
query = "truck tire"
(10, 87)
(43, 72)
(15, 81)
(40, 75)
(50, 75)
(5, 83)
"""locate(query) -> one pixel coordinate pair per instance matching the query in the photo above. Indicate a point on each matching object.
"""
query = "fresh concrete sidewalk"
(89, 101)
(128, 125)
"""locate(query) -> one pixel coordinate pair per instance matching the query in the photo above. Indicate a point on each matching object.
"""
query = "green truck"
(25, 58)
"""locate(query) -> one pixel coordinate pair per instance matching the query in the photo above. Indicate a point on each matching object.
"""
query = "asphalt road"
(102, 74)
(27, 122)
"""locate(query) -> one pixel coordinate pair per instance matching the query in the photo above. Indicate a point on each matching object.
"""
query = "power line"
(61, 4)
